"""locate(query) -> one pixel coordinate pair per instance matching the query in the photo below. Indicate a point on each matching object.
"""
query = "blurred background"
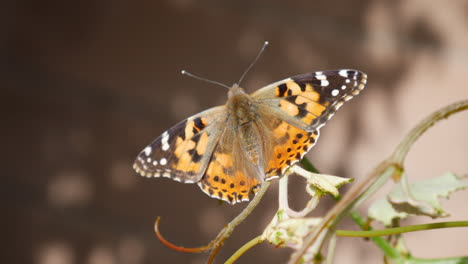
(87, 84)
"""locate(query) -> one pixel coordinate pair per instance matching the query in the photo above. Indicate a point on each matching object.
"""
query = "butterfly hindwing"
(289, 144)
(230, 175)
(183, 151)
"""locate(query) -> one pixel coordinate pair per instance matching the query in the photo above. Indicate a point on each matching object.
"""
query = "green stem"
(392, 253)
(241, 251)
(453, 260)
(380, 242)
(399, 230)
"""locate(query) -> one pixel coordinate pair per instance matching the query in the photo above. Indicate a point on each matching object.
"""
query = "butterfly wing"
(310, 100)
(230, 174)
(183, 152)
(296, 108)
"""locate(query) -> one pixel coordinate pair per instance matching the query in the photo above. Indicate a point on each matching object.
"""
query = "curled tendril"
(175, 247)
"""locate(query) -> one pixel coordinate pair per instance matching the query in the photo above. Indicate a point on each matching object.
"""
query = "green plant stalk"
(393, 253)
(401, 229)
(453, 260)
(380, 242)
(241, 251)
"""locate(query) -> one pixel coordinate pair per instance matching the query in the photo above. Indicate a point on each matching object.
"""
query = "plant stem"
(241, 251)
(453, 260)
(393, 253)
(401, 229)
(380, 242)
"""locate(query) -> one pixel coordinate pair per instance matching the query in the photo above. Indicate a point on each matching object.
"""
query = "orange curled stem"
(175, 247)
(213, 254)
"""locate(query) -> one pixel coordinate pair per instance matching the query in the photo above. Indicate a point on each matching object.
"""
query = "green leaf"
(423, 199)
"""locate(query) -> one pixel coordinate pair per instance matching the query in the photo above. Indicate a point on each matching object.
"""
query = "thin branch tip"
(175, 247)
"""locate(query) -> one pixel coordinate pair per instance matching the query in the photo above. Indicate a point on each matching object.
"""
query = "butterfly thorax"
(242, 116)
(240, 106)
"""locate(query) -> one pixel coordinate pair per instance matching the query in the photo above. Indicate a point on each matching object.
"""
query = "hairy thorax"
(240, 107)
(243, 117)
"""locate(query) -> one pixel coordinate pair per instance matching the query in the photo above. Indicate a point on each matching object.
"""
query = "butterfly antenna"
(184, 72)
(253, 62)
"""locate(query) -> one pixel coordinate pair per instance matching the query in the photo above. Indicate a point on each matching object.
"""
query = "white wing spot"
(163, 161)
(343, 87)
(320, 77)
(335, 92)
(348, 80)
(164, 141)
(148, 150)
(324, 82)
(148, 160)
(343, 73)
(155, 162)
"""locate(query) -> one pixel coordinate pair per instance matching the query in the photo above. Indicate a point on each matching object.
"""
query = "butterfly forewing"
(310, 100)
(183, 151)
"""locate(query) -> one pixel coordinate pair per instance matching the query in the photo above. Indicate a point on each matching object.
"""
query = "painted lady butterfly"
(230, 150)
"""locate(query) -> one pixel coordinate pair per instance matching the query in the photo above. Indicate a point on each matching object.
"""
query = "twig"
(244, 249)
(401, 229)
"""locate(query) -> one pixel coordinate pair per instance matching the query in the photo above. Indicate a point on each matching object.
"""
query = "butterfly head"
(235, 90)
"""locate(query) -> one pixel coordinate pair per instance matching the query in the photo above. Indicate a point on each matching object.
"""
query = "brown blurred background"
(87, 84)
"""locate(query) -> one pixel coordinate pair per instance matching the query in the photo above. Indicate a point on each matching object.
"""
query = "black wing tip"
(345, 73)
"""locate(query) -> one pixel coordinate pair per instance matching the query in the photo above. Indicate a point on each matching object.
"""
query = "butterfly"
(230, 150)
